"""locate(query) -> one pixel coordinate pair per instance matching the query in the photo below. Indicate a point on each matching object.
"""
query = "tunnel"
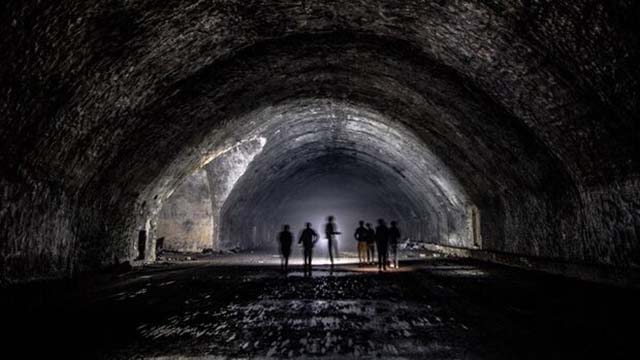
(152, 151)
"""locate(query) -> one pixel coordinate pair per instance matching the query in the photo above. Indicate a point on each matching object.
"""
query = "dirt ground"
(242, 306)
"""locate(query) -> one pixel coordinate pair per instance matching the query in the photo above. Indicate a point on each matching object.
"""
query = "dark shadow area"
(435, 308)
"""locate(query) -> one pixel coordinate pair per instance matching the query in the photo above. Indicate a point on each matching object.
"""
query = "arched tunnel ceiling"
(440, 111)
(531, 105)
(210, 62)
(305, 131)
(307, 140)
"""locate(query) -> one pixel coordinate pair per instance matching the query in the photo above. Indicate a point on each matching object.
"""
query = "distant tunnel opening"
(317, 159)
(347, 195)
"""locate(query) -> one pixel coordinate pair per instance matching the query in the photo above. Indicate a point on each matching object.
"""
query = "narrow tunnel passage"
(151, 152)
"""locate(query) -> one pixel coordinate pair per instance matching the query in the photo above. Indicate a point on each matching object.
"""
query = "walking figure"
(330, 232)
(382, 243)
(394, 237)
(361, 235)
(371, 244)
(285, 238)
(308, 239)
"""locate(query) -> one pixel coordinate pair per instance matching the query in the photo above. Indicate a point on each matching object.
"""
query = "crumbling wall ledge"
(599, 273)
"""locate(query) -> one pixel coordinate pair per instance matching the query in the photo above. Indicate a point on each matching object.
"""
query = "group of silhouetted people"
(308, 239)
(384, 239)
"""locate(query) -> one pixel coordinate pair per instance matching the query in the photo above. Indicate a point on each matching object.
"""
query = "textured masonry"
(527, 109)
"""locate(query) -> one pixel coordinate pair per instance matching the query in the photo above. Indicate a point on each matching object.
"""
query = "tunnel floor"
(243, 307)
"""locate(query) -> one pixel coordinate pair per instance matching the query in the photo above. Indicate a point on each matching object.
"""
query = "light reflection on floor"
(344, 313)
(408, 261)
(231, 307)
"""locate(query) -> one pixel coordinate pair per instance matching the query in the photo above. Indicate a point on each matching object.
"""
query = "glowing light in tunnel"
(375, 141)
(281, 143)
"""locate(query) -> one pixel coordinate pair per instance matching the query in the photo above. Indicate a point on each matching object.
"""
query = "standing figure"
(285, 238)
(371, 244)
(361, 235)
(382, 242)
(330, 232)
(308, 239)
(394, 237)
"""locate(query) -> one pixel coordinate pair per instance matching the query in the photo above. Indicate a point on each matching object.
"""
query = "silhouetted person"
(308, 239)
(361, 235)
(285, 238)
(382, 243)
(330, 232)
(394, 237)
(371, 244)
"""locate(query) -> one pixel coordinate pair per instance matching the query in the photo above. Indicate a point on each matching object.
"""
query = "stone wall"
(38, 231)
(530, 108)
(186, 221)
(223, 173)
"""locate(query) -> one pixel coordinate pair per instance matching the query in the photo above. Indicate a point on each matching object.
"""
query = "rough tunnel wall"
(98, 224)
(223, 173)
(611, 223)
(427, 230)
(185, 221)
(497, 89)
(41, 241)
(47, 233)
